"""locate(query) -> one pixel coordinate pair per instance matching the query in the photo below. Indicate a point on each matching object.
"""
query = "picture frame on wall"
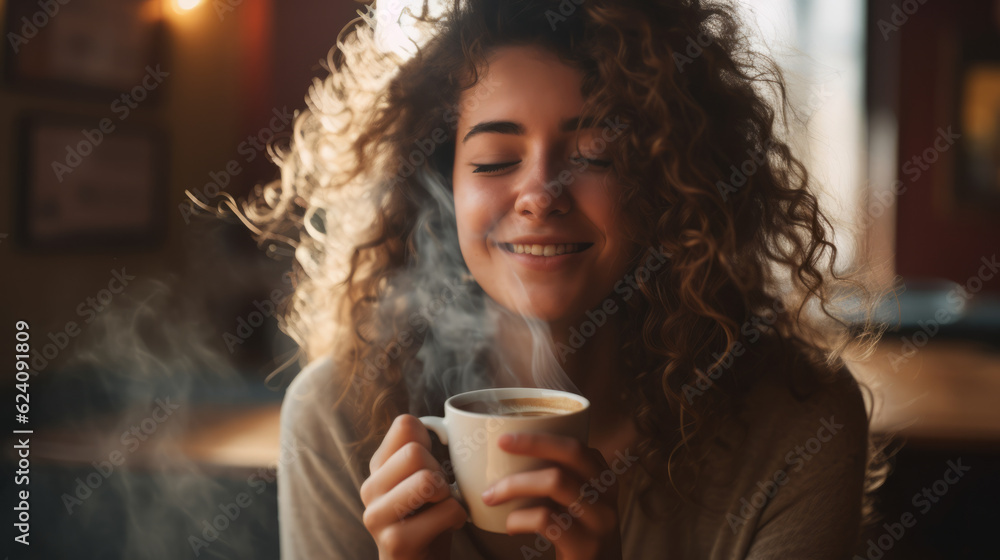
(90, 186)
(97, 49)
(977, 170)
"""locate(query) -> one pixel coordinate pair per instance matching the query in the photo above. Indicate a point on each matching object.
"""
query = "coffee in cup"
(524, 406)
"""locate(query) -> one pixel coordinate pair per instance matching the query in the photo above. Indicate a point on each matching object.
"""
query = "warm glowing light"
(187, 4)
(396, 31)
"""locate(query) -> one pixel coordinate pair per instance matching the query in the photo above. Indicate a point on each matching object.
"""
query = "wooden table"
(212, 437)
(947, 391)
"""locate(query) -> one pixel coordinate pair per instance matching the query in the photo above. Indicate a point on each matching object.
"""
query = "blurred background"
(154, 418)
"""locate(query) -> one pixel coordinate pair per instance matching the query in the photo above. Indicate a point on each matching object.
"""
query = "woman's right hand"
(404, 477)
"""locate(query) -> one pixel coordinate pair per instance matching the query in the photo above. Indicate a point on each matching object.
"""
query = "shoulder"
(806, 428)
(801, 396)
(795, 417)
(310, 415)
(802, 460)
(308, 396)
(319, 505)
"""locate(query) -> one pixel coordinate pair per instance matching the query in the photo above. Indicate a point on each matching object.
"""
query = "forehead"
(523, 83)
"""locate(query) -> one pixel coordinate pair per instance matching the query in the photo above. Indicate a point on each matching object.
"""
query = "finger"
(417, 532)
(570, 538)
(556, 483)
(422, 487)
(567, 451)
(405, 428)
(408, 459)
(564, 489)
(561, 529)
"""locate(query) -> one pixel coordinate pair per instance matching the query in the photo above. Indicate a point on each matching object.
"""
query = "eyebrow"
(517, 129)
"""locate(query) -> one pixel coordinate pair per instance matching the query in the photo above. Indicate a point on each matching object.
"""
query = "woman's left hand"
(586, 526)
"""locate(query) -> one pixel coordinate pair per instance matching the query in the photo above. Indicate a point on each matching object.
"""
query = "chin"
(549, 312)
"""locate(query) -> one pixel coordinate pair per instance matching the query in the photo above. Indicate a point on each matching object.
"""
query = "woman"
(546, 197)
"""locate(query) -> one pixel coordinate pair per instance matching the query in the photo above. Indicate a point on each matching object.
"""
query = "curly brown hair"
(696, 99)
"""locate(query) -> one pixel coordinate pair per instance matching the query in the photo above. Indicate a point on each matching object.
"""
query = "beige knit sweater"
(784, 482)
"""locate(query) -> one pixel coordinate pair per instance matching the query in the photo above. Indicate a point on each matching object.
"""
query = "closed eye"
(492, 167)
(584, 162)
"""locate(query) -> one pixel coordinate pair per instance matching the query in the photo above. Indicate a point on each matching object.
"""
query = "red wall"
(936, 236)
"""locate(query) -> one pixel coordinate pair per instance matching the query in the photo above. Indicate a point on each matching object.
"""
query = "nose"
(541, 194)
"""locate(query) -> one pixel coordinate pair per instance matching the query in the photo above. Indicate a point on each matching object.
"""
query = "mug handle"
(437, 425)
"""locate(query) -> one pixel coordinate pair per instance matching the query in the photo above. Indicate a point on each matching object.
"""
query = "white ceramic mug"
(476, 457)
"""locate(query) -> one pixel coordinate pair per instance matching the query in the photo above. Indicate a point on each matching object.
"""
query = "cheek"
(600, 210)
(474, 218)
(615, 225)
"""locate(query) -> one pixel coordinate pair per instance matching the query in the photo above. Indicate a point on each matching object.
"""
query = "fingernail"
(488, 494)
(507, 439)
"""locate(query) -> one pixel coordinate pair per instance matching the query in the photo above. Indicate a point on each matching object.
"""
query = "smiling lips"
(545, 250)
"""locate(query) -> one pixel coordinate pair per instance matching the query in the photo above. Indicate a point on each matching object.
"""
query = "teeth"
(545, 250)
